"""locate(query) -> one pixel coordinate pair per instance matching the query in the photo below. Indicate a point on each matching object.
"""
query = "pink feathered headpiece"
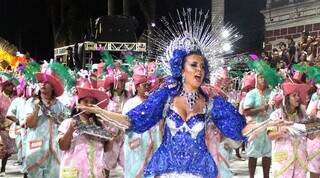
(87, 79)
(112, 79)
(87, 87)
(139, 74)
(48, 75)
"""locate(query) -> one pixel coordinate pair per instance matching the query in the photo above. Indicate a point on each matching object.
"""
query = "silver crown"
(192, 30)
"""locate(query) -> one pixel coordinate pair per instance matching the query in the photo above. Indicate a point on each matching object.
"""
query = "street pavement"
(238, 167)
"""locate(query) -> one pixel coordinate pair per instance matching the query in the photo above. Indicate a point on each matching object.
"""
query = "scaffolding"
(86, 50)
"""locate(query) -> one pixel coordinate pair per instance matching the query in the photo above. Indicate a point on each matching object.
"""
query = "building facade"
(288, 18)
(217, 9)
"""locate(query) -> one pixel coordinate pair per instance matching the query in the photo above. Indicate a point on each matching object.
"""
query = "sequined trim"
(70, 173)
(279, 156)
(179, 175)
(91, 159)
(295, 144)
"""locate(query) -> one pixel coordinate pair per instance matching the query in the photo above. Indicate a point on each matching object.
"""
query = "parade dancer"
(218, 150)
(248, 83)
(257, 111)
(115, 85)
(255, 108)
(7, 95)
(289, 152)
(313, 143)
(16, 112)
(138, 148)
(184, 107)
(43, 113)
(183, 151)
(215, 141)
(83, 155)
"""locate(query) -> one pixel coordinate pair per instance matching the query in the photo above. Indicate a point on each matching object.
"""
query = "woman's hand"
(36, 103)
(90, 108)
(115, 132)
(264, 108)
(283, 132)
(72, 126)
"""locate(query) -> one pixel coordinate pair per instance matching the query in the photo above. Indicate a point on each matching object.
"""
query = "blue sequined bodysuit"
(183, 149)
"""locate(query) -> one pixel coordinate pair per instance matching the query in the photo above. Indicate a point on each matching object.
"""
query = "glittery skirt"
(178, 175)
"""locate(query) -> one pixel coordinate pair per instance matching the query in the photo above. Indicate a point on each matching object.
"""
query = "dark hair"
(287, 106)
(290, 38)
(136, 88)
(5, 84)
(80, 99)
(75, 111)
(112, 90)
(305, 32)
(53, 94)
(282, 44)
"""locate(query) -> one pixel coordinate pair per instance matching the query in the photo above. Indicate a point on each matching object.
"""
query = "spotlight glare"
(226, 47)
(153, 24)
(225, 33)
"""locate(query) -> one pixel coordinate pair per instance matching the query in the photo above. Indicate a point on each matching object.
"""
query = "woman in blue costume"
(183, 150)
(185, 109)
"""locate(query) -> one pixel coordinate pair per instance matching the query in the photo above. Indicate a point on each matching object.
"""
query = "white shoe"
(2, 174)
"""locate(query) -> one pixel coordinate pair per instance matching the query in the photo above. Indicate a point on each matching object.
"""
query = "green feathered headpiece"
(8, 77)
(108, 61)
(30, 69)
(89, 67)
(107, 58)
(312, 72)
(64, 73)
(269, 74)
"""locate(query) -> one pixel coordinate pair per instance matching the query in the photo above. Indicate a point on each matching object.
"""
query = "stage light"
(153, 24)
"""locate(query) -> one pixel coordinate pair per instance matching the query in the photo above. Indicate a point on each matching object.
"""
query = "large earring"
(183, 79)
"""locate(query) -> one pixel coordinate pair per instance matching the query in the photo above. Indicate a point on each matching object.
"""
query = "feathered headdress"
(28, 71)
(312, 72)
(64, 73)
(268, 73)
(175, 37)
(6, 77)
(8, 53)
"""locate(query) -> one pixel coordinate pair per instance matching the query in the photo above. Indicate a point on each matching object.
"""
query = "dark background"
(37, 26)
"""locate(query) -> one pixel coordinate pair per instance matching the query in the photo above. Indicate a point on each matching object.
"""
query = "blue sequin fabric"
(183, 149)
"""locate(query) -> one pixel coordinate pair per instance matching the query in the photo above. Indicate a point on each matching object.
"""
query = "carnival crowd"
(64, 126)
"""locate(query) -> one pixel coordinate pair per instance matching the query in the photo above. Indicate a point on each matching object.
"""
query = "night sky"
(27, 24)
